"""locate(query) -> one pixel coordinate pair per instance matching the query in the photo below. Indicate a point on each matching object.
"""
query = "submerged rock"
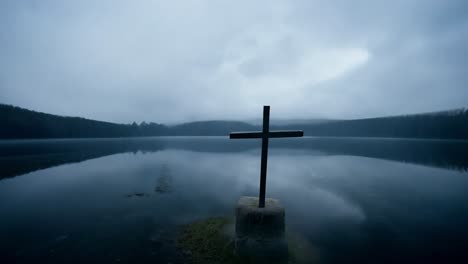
(137, 195)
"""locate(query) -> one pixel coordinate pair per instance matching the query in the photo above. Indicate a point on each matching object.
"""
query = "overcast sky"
(173, 61)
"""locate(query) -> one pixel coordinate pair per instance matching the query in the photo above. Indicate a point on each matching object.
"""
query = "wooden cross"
(265, 134)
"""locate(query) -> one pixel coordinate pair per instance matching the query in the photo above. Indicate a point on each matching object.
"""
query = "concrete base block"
(260, 231)
(273, 249)
(259, 222)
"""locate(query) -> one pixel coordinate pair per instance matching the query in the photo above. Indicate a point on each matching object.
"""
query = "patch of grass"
(207, 242)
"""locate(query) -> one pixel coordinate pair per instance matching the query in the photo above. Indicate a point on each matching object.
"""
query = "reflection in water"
(23, 156)
(20, 157)
(349, 198)
(164, 182)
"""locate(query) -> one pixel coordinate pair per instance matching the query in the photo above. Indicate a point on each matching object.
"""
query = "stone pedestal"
(260, 231)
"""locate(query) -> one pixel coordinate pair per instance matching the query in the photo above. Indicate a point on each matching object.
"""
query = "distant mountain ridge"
(20, 123)
(210, 128)
(286, 122)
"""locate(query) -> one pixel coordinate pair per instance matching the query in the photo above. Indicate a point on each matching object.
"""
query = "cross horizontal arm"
(246, 135)
(273, 134)
(286, 133)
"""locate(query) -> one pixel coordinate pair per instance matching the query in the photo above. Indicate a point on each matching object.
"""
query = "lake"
(355, 200)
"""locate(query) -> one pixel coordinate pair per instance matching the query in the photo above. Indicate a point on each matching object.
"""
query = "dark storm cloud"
(166, 62)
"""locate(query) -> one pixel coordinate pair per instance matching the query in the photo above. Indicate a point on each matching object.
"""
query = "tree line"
(451, 124)
(19, 123)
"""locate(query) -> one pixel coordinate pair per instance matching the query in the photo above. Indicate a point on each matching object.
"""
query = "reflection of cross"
(264, 135)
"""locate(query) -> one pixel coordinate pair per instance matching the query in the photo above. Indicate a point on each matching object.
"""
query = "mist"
(171, 61)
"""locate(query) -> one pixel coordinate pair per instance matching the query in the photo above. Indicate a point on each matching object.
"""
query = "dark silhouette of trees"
(452, 124)
(19, 123)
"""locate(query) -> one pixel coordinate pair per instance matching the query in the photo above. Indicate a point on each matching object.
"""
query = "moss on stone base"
(208, 241)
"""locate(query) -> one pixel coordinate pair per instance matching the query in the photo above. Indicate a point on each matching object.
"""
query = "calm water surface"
(123, 200)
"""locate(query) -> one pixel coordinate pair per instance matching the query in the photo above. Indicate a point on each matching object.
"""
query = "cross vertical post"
(263, 166)
(265, 134)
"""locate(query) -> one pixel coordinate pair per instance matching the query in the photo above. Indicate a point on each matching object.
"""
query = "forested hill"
(19, 123)
(210, 128)
(452, 124)
(22, 123)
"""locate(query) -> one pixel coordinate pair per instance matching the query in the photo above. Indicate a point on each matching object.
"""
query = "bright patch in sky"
(176, 61)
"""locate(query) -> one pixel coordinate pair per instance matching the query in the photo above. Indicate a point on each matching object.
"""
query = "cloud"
(170, 61)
